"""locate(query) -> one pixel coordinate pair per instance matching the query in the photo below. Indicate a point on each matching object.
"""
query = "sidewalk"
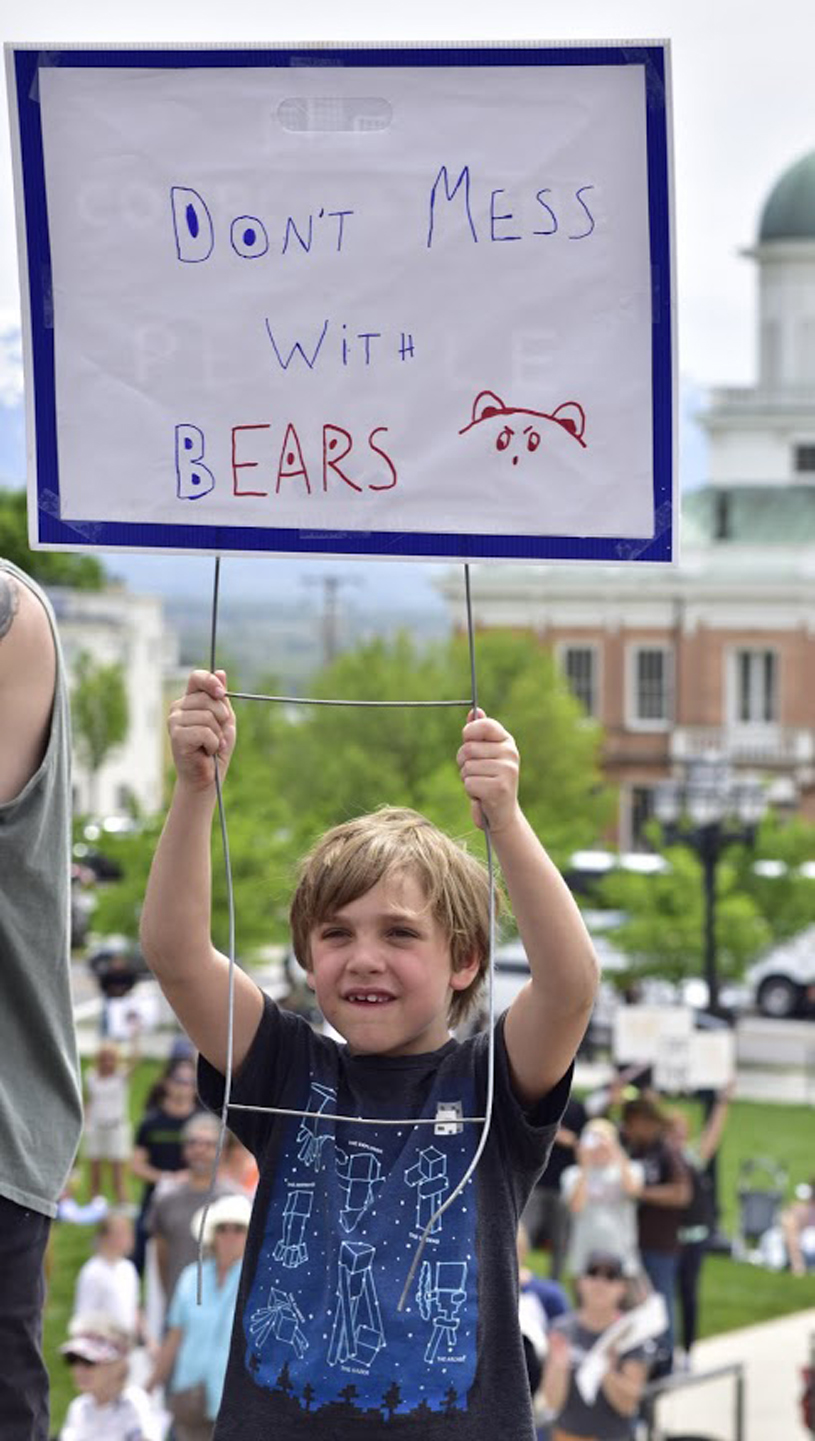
(772, 1356)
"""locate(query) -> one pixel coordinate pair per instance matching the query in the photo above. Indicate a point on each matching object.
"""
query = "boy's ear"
(464, 976)
(310, 979)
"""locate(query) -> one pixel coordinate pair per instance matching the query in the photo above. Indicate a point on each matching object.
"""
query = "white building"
(717, 652)
(114, 626)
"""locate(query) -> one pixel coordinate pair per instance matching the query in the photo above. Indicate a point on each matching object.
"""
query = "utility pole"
(331, 586)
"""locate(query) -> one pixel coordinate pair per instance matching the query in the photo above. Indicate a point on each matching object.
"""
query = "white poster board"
(683, 1057)
(381, 302)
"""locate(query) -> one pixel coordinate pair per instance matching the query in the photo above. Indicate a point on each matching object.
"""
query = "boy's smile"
(382, 973)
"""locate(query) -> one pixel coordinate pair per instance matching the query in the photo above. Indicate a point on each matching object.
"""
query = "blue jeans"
(661, 1267)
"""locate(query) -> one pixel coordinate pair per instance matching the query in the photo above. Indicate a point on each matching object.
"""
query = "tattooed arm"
(27, 677)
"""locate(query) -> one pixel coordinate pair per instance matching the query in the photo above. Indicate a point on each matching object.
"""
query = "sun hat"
(95, 1339)
(226, 1211)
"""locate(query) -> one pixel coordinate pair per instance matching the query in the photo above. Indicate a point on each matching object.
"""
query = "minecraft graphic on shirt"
(348, 1207)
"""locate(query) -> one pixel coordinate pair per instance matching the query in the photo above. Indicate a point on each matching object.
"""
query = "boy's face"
(381, 971)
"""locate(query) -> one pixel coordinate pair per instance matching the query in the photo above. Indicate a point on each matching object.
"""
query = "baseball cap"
(604, 1263)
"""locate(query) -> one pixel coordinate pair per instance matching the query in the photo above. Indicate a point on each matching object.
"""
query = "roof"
(749, 515)
(789, 211)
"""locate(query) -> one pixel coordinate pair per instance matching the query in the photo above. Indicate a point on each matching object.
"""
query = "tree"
(785, 897)
(663, 931)
(294, 775)
(392, 1399)
(339, 762)
(81, 572)
(100, 713)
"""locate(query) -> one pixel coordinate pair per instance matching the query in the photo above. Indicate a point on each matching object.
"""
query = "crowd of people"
(623, 1209)
(626, 1210)
(145, 1354)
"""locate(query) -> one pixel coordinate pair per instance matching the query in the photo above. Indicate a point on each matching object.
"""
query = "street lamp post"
(708, 810)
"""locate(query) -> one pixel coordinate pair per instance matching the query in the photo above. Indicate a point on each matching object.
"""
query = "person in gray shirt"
(41, 1098)
(610, 1417)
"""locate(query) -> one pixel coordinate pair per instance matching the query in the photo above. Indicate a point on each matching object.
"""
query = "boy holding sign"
(369, 1139)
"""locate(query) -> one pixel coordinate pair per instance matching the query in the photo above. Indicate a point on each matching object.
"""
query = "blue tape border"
(107, 535)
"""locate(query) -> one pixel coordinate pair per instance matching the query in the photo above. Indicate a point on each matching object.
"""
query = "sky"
(743, 111)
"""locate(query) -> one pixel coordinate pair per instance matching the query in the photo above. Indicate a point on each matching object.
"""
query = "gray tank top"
(40, 1091)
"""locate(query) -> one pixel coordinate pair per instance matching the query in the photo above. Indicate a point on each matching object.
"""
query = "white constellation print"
(441, 1301)
(358, 1334)
(309, 1138)
(429, 1176)
(282, 1318)
(359, 1174)
(291, 1249)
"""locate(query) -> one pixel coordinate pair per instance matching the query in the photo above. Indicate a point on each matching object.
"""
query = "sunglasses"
(72, 1360)
(233, 1226)
(604, 1273)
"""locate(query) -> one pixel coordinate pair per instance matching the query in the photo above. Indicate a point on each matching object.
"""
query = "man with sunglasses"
(601, 1290)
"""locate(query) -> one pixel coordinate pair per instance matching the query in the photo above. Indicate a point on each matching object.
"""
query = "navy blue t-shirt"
(319, 1347)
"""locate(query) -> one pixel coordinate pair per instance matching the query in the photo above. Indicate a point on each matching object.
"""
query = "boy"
(390, 921)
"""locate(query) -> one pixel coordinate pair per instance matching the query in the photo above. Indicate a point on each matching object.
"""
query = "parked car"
(512, 973)
(783, 983)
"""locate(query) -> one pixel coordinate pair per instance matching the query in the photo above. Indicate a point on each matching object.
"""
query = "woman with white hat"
(193, 1355)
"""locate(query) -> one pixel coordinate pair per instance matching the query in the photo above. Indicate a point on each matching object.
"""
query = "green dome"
(789, 212)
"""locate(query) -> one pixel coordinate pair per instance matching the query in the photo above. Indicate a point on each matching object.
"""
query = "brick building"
(716, 653)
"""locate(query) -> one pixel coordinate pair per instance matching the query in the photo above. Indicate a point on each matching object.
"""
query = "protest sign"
(382, 302)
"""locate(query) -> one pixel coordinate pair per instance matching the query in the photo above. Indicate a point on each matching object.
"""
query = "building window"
(650, 687)
(805, 458)
(579, 663)
(756, 687)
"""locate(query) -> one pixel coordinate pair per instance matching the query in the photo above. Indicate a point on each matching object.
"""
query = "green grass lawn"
(69, 1248)
(733, 1294)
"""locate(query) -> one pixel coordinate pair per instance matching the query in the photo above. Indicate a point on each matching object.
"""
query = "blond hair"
(353, 857)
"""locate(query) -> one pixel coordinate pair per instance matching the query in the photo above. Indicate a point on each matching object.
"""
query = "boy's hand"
(489, 765)
(201, 726)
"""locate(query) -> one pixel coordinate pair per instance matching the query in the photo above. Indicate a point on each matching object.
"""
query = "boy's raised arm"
(175, 923)
(547, 1019)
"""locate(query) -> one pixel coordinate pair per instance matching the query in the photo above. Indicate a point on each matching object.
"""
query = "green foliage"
(99, 710)
(293, 776)
(663, 934)
(82, 572)
(786, 901)
(119, 903)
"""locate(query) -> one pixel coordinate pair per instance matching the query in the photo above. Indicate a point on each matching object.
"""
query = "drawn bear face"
(519, 432)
